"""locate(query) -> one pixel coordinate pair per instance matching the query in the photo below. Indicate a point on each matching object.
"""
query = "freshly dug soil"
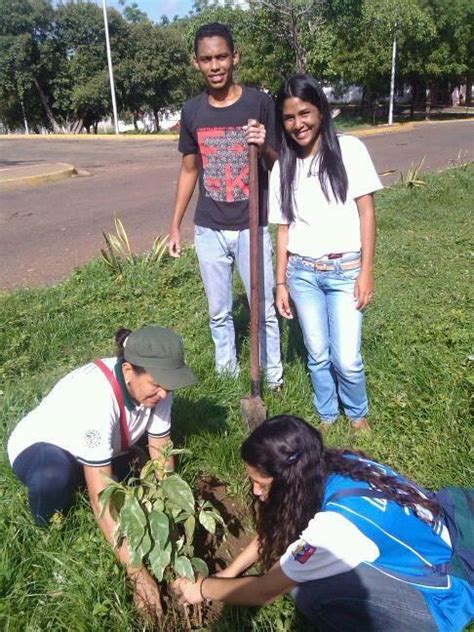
(216, 551)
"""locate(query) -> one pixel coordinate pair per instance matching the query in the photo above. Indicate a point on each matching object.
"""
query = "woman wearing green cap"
(84, 427)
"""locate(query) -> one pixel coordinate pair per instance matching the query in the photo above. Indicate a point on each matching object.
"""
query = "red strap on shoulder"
(124, 434)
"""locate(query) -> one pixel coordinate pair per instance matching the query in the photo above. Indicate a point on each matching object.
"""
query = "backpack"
(457, 504)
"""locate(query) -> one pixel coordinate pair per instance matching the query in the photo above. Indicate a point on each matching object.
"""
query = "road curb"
(107, 137)
(402, 127)
(370, 131)
(51, 173)
(382, 129)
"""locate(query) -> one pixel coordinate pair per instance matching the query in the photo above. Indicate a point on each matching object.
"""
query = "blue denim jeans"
(363, 600)
(331, 327)
(218, 251)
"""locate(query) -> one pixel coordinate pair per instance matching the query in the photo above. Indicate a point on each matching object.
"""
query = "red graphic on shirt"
(225, 165)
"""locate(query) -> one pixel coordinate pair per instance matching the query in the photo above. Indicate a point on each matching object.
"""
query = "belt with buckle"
(322, 266)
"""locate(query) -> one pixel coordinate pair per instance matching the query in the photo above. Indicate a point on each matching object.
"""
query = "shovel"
(253, 409)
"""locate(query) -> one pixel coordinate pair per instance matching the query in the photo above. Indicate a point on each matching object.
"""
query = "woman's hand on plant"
(188, 592)
(364, 289)
(146, 594)
(282, 301)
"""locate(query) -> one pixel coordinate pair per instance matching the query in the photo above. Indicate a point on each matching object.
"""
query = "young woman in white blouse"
(321, 197)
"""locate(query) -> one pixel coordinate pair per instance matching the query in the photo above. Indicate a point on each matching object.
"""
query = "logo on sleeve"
(93, 438)
(303, 551)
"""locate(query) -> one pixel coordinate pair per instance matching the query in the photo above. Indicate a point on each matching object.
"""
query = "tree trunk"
(157, 120)
(57, 129)
(468, 101)
(25, 120)
(76, 127)
(300, 53)
(428, 101)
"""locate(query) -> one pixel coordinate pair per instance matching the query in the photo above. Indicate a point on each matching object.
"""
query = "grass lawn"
(417, 348)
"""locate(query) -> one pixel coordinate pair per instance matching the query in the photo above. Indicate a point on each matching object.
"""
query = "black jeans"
(53, 475)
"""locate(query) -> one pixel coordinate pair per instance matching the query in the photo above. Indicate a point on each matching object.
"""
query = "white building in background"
(343, 94)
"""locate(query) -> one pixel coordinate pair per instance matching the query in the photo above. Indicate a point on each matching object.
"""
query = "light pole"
(111, 71)
(392, 76)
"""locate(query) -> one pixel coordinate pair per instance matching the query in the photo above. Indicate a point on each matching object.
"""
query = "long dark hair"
(291, 451)
(331, 167)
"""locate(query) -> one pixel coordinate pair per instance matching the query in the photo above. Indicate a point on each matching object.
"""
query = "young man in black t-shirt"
(214, 139)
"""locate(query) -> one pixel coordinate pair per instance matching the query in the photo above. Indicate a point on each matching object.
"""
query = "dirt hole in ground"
(216, 552)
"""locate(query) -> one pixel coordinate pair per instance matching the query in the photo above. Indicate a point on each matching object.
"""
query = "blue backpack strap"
(458, 508)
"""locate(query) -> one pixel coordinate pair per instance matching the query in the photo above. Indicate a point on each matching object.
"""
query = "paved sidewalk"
(11, 177)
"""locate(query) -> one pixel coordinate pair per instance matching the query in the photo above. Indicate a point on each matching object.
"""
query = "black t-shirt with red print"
(216, 134)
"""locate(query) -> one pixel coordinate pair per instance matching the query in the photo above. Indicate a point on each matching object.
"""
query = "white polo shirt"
(321, 226)
(329, 545)
(81, 415)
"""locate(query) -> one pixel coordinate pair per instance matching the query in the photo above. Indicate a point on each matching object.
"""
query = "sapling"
(159, 516)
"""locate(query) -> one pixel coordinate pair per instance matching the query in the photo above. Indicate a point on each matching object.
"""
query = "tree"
(24, 28)
(296, 19)
(132, 13)
(365, 50)
(154, 77)
(449, 58)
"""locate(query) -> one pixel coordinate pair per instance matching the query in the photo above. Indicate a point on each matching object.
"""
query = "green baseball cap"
(161, 352)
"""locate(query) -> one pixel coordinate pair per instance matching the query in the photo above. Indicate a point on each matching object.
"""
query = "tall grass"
(417, 348)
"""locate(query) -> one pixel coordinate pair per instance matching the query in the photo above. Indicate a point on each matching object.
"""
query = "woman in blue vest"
(358, 546)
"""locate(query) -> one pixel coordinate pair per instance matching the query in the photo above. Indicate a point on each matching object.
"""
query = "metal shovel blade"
(254, 411)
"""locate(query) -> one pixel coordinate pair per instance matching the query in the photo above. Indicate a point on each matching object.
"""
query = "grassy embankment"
(417, 345)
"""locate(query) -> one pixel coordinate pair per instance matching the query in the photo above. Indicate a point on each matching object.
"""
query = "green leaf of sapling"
(145, 545)
(184, 568)
(189, 528)
(179, 492)
(159, 527)
(133, 522)
(200, 566)
(159, 559)
(208, 521)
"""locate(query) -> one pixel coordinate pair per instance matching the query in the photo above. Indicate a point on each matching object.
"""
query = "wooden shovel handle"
(254, 266)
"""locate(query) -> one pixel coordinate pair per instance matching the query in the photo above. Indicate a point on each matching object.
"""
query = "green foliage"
(418, 356)
(157, 514)
(54, 65)
(118, 252)
(412, 177)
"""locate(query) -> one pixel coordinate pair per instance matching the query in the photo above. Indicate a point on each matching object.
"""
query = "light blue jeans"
(363, 600)
(332, 328)
(218, 251)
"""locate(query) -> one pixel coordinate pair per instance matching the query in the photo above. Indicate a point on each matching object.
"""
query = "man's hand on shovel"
(256, 134)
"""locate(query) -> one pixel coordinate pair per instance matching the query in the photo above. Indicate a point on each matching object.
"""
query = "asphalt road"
(48, 230)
